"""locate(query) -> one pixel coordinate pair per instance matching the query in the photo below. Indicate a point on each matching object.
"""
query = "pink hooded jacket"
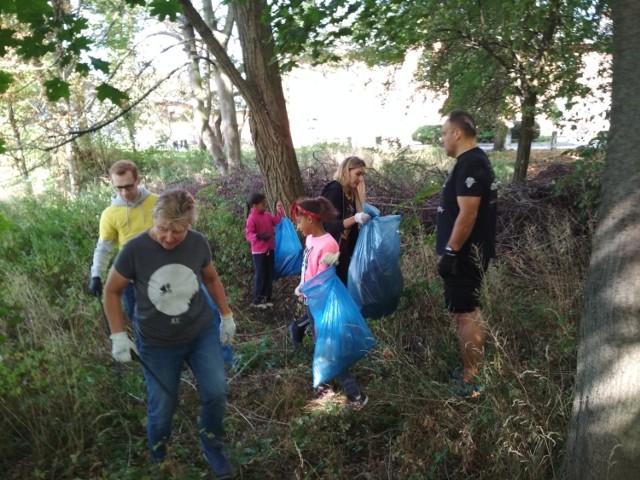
(261, 222)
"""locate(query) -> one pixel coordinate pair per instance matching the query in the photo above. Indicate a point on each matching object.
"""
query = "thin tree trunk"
(200, 112)
(229, 127)
(526, 138)
(500, 137)
(226, 101)
(19, 161)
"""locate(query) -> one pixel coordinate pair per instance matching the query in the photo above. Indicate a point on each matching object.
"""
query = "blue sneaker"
(464, 388)
(218, 459)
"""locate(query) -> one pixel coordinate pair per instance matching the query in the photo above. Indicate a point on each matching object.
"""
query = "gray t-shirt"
(171, 310)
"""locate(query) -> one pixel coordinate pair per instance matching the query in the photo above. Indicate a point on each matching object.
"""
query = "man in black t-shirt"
(465, 239)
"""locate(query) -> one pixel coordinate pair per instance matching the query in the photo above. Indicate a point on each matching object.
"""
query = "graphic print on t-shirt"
(171, 288)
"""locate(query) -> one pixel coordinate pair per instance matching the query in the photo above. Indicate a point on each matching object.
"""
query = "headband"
(295, 208)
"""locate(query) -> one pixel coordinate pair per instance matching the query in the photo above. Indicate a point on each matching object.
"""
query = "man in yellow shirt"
(128, 215)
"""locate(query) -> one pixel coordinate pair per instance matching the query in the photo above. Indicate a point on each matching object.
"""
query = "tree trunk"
(500, 136)
(526, 137)
(268, 117)
(229, 134)
(229, 126)
(200, 112)
(604, 433)
(18, 157)
(262, 90)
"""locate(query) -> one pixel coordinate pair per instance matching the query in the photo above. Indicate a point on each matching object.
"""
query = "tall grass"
(68, 412)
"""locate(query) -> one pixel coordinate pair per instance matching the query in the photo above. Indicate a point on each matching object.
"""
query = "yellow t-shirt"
(121, 223)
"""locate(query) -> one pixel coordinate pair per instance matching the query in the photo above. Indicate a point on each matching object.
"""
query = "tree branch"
(224, 62)
(79, 133)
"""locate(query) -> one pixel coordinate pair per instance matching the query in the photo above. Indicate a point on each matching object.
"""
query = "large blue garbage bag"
(342, 335)
(226, 350)
(288, 252)
(375, 279)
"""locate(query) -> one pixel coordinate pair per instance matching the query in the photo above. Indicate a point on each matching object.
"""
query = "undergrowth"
(68, 412)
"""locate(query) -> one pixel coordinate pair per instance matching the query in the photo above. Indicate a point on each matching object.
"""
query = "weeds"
(67, 412)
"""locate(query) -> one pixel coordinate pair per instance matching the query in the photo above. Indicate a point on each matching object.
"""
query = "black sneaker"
(357, 401)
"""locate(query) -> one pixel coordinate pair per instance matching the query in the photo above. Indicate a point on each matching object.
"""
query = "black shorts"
(462, 290)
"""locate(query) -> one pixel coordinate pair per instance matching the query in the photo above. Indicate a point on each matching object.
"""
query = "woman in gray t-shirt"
(173, 323)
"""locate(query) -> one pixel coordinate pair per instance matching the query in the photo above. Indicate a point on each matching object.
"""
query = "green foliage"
(164, 9)
(427, 134)
(515, 131)
(223, 221)
(68, 413)
(105, 91)
(583, 186)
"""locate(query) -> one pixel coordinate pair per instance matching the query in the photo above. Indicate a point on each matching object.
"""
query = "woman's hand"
(362, 218)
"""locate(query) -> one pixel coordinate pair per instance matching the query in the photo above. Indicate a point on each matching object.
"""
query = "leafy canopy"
(35, 30)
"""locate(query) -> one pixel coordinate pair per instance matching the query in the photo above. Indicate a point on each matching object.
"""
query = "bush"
(515, 131)
(486, 135)
(427, 134)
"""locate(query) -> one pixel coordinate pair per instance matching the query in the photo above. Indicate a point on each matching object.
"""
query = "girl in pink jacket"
(260, 234)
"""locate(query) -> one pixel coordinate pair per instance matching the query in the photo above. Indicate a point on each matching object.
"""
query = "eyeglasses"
(128, 188)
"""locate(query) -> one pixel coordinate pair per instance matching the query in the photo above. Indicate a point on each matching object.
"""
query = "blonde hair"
(342, 176)
(176, 206)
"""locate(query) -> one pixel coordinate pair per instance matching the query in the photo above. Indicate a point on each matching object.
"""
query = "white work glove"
(227, 329)
(330, 258)
(121, 346)
(362, 218)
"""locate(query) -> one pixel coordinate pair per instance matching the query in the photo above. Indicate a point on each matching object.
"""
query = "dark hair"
(319, 206)
(464, 121)
(254, 199)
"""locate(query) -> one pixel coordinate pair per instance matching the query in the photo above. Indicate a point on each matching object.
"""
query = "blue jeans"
(204, 358)
(129, 300)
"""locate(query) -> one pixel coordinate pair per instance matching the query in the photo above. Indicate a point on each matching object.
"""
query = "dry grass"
(412, 428)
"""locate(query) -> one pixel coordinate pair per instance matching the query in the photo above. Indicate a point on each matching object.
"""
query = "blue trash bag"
(342, 335)
(288, 251)
(226, 350)
(375, 279)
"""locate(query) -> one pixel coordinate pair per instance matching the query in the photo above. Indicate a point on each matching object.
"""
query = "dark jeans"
(263, 267)
(204, 358)
(129, 300)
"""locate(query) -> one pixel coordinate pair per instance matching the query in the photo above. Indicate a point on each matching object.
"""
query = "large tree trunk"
(262, 90)
(526, 137)
(604, 434)
(268, 117)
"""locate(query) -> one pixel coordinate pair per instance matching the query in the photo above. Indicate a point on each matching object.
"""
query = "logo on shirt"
(171, 289)
(470, 181)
